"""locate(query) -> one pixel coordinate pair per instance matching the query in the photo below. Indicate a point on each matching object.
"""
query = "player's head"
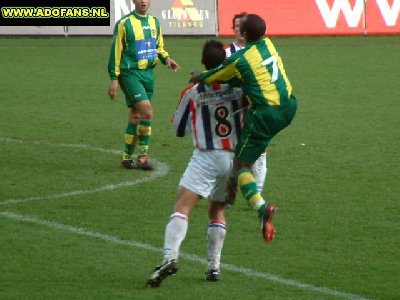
(236, 21)
(142, 6)
(252, 27)
(236, 18)
(213, 54)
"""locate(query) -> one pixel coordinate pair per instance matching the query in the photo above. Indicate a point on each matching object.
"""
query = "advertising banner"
(383, 16)
(296, 17)
(205, 17)
(186, 17)
(118, 8)
(177, 17)
(316, 17)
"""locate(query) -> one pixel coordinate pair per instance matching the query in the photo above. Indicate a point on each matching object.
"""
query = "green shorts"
(137, 85)
(260, 126)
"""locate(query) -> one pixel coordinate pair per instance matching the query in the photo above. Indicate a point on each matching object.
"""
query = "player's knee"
(134, 116)
(147, 114)
(145, 109)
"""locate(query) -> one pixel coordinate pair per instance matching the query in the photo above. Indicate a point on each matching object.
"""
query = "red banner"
(316, 17)
(383, 16)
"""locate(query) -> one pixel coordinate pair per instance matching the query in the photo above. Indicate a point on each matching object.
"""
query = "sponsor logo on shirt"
(146, 49)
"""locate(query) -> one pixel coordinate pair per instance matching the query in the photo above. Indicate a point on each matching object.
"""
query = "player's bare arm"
(194, 76)
(112, 90)
(172, 64)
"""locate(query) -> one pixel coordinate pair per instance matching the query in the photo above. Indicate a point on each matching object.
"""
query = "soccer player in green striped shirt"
(258, 68)
(137, 47)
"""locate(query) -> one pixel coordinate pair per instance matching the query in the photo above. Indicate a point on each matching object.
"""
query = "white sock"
(259, 171)
(175, 233)
(215, 235)
(256, 205)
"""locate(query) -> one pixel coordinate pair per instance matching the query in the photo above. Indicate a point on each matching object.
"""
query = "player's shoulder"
(228, 46)
(234, 90)
(156, 20)
(189, 89)
(229, 49)
(226, 89)
(153, 17)
(219, 86)
(233, 57)
(124, 17)
(267, 41)
(201, 87)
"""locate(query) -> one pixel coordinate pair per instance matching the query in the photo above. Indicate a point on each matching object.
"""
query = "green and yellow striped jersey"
(137, 44)
(258, 68)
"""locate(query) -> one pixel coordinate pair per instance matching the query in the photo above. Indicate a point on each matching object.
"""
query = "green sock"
(144, 135)
(248, 187)
(130, 139)
(261, 210)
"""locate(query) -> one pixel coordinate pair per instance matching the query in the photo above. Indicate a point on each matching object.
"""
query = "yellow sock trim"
(144, 130)
(129, 139)
(245, 178)
(256, 201)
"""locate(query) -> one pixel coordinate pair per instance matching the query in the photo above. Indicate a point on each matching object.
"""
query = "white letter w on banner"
(121, 8)
(331, 15)
(389, 14)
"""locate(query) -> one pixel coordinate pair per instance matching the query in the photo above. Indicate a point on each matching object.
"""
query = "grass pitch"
(75, 226)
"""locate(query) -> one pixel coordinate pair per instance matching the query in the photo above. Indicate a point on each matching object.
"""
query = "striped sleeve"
(162, 54)
(181, 119)
(114, 60)
(223, 73)
(230, 49)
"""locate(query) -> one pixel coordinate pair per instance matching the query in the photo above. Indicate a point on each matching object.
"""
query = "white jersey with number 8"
(213, 114)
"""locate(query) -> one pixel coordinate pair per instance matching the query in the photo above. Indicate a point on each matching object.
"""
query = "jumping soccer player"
(260, 71)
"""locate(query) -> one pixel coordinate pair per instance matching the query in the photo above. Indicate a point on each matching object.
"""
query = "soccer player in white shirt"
(213, 115)
(259, 168)
(239, 41)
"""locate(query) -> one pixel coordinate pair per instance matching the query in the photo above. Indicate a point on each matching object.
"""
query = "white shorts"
(207, 173)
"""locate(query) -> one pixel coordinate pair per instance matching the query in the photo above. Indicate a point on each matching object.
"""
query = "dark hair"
(213, 54)
(254, 27)
(237, 16)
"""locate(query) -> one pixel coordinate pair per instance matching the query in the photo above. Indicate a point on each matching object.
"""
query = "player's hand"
(172, 64)
(112, 90)
(195, 76)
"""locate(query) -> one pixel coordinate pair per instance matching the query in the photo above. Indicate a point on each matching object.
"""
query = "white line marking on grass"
(79, 146)
(161, 170)
(191, 257)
